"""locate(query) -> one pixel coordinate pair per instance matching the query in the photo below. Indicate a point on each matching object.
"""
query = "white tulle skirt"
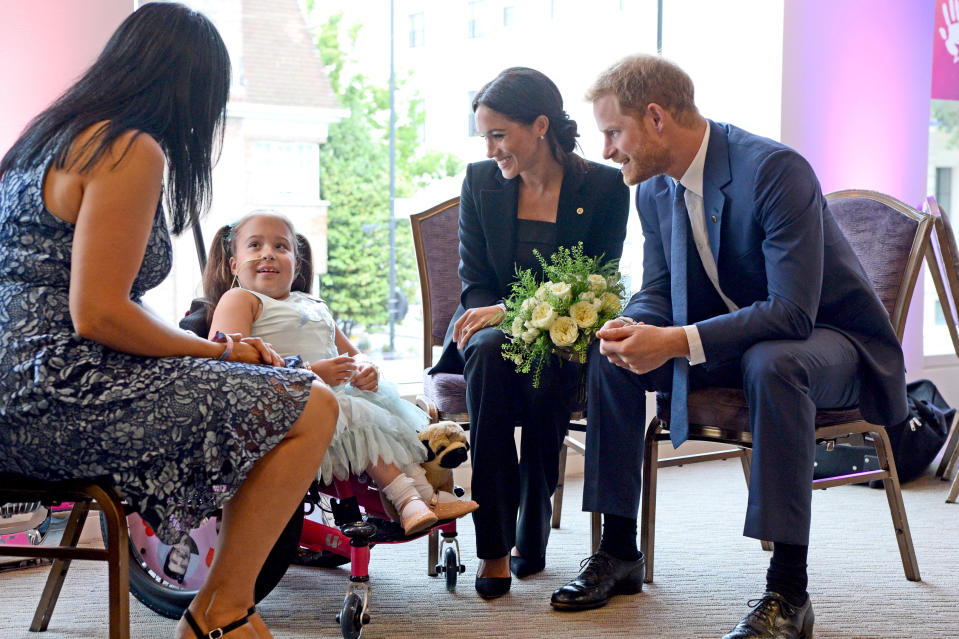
(373, 427)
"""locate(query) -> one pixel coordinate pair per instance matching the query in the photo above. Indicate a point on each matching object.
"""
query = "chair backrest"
(890, 239)
(943, 265)
(436, 242)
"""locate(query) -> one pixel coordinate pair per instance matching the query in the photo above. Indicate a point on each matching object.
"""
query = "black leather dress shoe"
(602, 577)
(523, 567)
(493, 587)
(772, 617)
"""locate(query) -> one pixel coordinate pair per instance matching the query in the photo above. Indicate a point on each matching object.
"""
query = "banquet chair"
(890, 240)
(83, 493)
(436, 242)
(942, 260)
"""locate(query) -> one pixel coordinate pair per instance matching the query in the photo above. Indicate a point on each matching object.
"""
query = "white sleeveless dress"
(370, 426)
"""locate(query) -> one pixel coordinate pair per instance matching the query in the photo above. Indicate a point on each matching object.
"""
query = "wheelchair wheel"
(165, 579)
(451, 568)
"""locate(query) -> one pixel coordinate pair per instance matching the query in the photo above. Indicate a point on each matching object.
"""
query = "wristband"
(228, 341)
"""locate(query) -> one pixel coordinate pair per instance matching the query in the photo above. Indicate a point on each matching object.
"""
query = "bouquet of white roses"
(561, 314)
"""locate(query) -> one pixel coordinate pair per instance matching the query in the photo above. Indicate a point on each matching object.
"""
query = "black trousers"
(514, 493)
(785, 381)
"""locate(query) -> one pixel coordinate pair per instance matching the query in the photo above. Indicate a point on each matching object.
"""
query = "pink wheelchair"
(338, 524)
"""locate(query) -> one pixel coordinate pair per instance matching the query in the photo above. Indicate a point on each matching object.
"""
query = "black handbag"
(915, 441)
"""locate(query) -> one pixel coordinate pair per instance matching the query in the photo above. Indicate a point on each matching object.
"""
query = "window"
(944, 188)
(473, 29)
(416, 30)
(471, 129)
(943, 182)
(284, 173)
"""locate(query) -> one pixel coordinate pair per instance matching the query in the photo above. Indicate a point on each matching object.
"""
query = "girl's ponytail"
(217, 275)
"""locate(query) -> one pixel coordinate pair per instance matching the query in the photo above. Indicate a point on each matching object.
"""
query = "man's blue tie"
(678, 415)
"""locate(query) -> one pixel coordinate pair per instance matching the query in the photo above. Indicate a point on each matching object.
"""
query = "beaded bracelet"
(226, 339)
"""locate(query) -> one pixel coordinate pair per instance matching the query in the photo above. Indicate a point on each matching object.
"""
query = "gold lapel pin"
(579, 211)
(714, 219)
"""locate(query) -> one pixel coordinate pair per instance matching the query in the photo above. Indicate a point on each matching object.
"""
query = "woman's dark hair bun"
(566, 133)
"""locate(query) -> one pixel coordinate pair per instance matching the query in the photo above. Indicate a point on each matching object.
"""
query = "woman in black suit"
(534, 193)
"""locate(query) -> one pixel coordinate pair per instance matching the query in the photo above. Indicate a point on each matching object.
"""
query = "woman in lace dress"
(91, 382)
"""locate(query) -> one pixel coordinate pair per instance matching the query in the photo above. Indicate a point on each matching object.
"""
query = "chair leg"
(954, 489)
(897, 509)
(647, 533)
(746, 459)
(432, 552)
(948, 461)
(118, 546)
(558, 493)
(58, 572)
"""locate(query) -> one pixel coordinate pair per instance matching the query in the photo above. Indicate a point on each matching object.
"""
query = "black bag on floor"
(915, 442)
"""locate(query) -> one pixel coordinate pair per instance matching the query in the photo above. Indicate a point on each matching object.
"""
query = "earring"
(542, 137)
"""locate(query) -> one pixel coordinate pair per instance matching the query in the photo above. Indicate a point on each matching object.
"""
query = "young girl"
(376, 430)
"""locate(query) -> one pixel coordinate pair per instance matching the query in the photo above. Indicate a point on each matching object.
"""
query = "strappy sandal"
(216, 633)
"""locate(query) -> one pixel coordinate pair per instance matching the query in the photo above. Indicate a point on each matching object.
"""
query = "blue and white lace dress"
(371, 426)
(177, 435)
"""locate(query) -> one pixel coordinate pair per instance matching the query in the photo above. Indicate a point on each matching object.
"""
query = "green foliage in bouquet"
(561, 314)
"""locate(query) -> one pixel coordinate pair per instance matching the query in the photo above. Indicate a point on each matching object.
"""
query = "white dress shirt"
(693, 181)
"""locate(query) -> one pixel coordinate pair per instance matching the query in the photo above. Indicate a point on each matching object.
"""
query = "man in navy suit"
(738, 237)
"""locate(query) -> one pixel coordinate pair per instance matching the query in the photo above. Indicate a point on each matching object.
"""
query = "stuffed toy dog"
(446, 448)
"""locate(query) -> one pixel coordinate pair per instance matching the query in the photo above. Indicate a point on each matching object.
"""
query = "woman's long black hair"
(165, 72)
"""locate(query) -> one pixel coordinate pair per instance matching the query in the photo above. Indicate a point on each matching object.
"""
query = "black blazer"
(593, 209)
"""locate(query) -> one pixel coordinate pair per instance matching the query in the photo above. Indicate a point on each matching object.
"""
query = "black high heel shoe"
(493, 587)
(522, 567)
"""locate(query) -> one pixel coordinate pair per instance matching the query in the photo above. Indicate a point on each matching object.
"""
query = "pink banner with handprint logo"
(945, 56)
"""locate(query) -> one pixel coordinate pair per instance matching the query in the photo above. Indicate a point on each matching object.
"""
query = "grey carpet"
(705, 573)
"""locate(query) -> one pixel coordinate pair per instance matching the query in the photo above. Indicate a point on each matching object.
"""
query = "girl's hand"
(335, 371)
(475, 319)
(367, 377)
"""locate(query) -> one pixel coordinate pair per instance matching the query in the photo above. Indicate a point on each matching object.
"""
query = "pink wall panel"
(44, 46)
(857, 76)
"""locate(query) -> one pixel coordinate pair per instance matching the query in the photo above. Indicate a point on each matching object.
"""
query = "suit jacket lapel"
(573, 214)
(499, 217)
(716, 175)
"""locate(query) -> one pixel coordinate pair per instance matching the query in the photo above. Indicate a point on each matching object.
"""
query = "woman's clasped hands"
(249, 350)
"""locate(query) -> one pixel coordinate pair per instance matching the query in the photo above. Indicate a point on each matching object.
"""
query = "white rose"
(543, 316)
(540, 293)
(584, 314)
(517, 359)
(560, 290)
(611, 303)
(563, 332)
(517, 326)
(530, 336)
(527, 304)
(597, 283)
(613, 279)
(587, 296)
